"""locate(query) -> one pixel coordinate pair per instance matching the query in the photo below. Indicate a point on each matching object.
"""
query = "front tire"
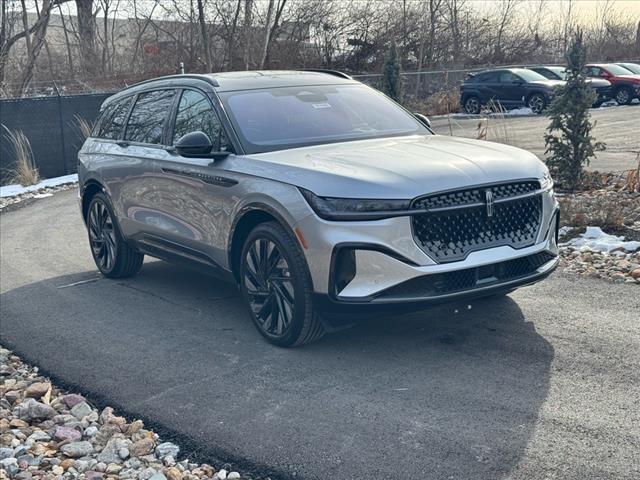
(275, 284)
(623, 96)
(111, 253)
(537, 103)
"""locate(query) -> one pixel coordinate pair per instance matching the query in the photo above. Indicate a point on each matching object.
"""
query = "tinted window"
(196, 114)
(508, 77)
(617, 70)
(147, 119)
(112, 119)
(288, 117)
(528, 75)
(488, 77)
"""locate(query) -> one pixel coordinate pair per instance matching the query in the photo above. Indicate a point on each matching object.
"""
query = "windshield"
(617, 70)
(633, 67)
(529, 75)
(290, 117)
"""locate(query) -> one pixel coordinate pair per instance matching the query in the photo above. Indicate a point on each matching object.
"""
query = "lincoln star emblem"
(489, 197)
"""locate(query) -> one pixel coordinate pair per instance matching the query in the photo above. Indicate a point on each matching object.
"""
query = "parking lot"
(618, 127)
(535, 385)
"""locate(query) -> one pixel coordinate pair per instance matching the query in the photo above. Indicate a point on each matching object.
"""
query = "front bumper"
(384, 259)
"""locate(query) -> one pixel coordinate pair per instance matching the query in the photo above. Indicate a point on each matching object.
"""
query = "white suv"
(314, 193)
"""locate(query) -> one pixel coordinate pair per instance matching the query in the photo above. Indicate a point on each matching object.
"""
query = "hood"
(393, 168)
(548, 83)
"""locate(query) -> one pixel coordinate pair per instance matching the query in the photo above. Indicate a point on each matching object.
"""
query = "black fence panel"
(51, 124)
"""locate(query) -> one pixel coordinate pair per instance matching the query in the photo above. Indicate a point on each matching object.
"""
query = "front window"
(290, 117)
(195, 113)
(529, 75)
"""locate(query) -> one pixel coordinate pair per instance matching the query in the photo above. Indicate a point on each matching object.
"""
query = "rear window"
(111, 121)
(148, 117)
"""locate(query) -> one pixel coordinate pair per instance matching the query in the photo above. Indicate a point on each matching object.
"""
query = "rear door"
(488, 86)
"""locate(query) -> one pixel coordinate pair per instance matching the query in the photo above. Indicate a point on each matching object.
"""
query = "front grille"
(469, 278)
(459, 222)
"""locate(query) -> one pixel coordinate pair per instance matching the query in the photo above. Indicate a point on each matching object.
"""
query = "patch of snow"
(13, 190)
(564, 231)
(43, 195)
(595, 240)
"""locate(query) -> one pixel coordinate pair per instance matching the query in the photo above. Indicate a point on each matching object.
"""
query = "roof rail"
(336, 73)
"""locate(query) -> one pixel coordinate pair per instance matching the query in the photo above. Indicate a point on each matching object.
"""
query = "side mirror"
(194, 144)
(423, 119)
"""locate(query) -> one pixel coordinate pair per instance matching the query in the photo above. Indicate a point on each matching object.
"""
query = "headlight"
(546, 182)
(355, 208)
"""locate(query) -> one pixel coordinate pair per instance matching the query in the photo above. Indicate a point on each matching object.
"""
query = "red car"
(625, 83)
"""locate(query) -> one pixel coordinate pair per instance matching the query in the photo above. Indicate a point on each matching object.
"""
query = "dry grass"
(604, 213)
(84, 126)
(440, 103)
(24, 172)
(493, 128)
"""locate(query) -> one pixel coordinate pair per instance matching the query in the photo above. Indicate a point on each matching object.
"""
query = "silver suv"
(315, 194)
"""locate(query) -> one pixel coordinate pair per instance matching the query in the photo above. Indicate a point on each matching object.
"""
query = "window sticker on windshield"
(321, 105)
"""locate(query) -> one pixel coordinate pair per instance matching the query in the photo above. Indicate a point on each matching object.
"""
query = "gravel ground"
(47, 433)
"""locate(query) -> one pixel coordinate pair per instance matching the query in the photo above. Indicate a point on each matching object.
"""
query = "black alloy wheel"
(269, 286)
(537, 103)
(102, 236)
(113, 256)
(276, 286)
(623, 96)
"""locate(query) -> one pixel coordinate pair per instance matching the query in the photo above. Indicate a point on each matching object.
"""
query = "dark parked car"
(625, 83)
(632, 67)
(508, 87)
(600, 85)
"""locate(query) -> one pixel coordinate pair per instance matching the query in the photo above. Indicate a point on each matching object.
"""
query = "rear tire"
(472, 105)
(623, 96)
(276, 285)
(537, 103)
(113, 256)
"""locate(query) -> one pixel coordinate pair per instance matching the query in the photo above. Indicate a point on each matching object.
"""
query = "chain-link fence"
(53, 127)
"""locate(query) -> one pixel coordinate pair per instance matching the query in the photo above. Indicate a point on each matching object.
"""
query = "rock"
(12, 396)
(57, 470)
(635, 274)
(37, 390)
(77, 449)
(111, 452)
(93, 475)
(158, 476)
(233, 476)
(61, 434)
(6, 453)
(172, 473)
(39, 436)
(141, 447)
(72, 399)
(113, 468)
(134, 427)
(91, 431)
(147, 473)
(167, 448)
(123, 453)
(6, 370)
(220, 475)
(81, 410)
(81, 466)
(31, 409)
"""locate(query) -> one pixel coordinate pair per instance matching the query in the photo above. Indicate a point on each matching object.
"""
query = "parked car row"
(535, 86)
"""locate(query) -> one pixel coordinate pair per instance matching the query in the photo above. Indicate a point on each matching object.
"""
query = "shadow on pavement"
(428, 395)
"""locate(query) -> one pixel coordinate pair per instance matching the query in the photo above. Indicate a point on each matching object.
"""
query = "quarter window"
(112, 119)
(148, 117)
(196, 114)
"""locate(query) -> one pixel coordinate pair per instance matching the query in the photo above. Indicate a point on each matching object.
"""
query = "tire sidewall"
(300, 282)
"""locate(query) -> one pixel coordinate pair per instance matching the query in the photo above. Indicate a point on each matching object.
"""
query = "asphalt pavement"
(618, 127)
(542, 384)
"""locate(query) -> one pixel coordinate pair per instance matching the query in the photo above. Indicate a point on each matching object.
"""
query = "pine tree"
(569, 143)
(391, 75)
